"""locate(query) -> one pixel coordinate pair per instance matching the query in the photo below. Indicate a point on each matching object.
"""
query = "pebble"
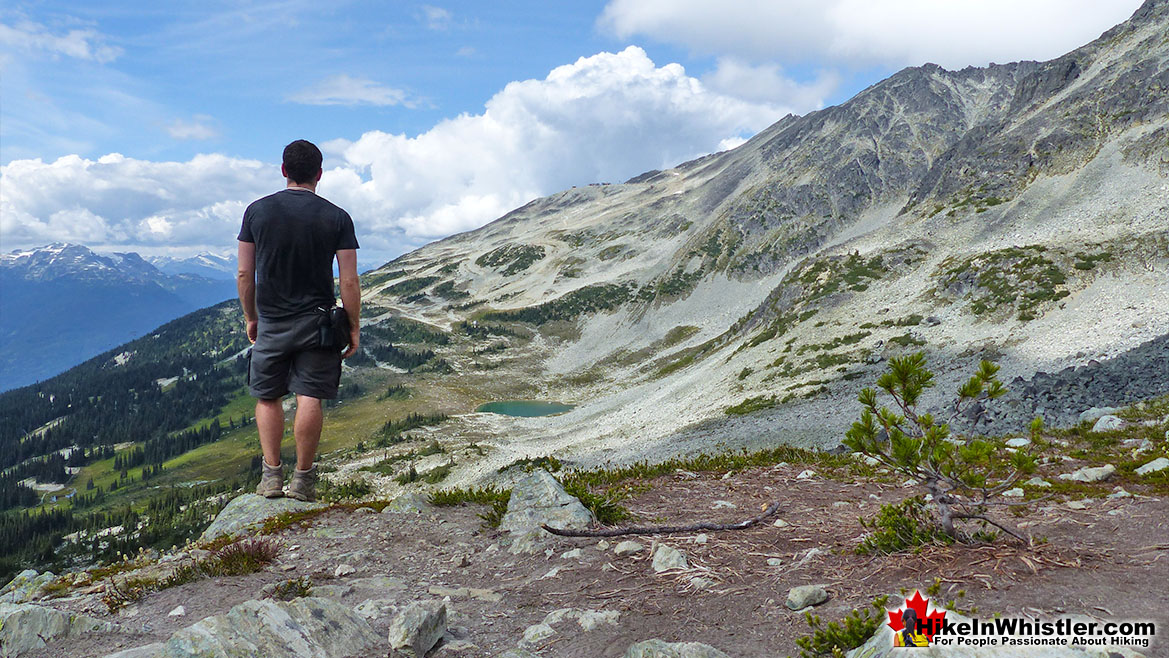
(780, 523)
(1076, 504)
(720, 504)
(700, 538)
(1013, 493)
(344, 570)
(804, 475)
(571, 554)
(177, 612)
(628, 547)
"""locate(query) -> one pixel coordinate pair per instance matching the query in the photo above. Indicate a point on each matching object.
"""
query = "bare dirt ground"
(1110, 560)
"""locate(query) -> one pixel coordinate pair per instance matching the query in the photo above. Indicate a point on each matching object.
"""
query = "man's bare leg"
(270, 424)
(307, 430)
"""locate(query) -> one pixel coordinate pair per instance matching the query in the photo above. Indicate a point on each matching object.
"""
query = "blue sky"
(149, 126)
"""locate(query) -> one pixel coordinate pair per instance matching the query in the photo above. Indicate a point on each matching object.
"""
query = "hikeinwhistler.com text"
(1019, 631)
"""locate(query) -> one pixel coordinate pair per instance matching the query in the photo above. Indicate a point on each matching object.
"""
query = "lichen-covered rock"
(538, 499)
(248, 511)
(668, 557)
(803, 596)
(1107, 424)
(1158, 464)
(628, 547)
(308, 626)
(418, 628)
(410, 502)
(24, 627)
(26, 586)
(661, 649)
(1086, 474)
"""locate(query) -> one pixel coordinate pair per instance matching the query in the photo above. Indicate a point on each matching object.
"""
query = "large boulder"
(25, 627)
(661, 649)
(418, 628)
(26, 586)
(249, 511)
(310, 626)
(536, 499)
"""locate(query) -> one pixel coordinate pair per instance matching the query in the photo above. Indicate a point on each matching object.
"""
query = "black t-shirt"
(296, 234)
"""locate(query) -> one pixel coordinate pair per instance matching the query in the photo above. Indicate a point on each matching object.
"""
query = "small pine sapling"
(963, 479)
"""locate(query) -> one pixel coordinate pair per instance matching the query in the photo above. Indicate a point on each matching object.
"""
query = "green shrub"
(292, 589)
(963, 479)
(900, 526)
(756, 403)
(837, 638)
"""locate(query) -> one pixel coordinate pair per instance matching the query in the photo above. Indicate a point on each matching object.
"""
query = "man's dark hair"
(302, 161)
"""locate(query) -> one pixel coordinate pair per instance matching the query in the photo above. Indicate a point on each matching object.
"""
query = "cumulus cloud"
(120, 201)
(954, 34)
(347, 90)
(601, 119)
(32, 37)
(197, 128)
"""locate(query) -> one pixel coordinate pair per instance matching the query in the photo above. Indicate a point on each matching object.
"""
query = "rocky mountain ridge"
(1015, 212)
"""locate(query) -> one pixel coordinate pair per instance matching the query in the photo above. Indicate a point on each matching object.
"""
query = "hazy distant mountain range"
(211, 266)
(63, 303)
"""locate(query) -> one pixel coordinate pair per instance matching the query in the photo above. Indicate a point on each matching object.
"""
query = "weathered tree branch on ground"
(663, 529)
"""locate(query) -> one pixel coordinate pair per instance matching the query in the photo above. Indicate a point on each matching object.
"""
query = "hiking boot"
(272, 482)
(303, 485)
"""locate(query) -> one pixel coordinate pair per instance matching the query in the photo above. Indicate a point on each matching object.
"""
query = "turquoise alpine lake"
(525, 408)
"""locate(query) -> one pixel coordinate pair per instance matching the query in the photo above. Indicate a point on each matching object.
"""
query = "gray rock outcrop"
(24, 627)
(536, 499)
(26, 586)
(309, 626)
(661, 649)
(410, 502)
(248, 511)
(418, 628)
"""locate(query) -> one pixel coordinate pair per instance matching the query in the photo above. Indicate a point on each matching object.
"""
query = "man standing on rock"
(286, 249)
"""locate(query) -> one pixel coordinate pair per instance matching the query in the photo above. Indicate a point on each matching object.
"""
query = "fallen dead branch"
(664, 529)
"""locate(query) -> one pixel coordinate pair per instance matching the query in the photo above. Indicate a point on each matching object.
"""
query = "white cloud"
(767, 83)
(84, 44)
(197, 128)
(601, 119)
(347, 90)
(954, 34)
(116, 200)
(436, 18)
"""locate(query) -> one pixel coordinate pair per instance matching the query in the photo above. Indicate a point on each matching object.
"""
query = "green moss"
(752, 404)
(409, 287)
(570, 306)
(1021, 278)
(513, 259)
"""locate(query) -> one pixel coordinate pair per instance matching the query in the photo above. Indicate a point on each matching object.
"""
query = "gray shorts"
(286, 358)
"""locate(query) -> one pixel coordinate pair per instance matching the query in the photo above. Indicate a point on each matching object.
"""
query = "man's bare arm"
(350, 297)
(245, 284)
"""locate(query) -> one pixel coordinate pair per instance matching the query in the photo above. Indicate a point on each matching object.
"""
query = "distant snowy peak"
(212, 266)
(72, 260)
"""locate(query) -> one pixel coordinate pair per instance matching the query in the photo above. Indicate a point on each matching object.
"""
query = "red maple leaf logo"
(931, 622)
